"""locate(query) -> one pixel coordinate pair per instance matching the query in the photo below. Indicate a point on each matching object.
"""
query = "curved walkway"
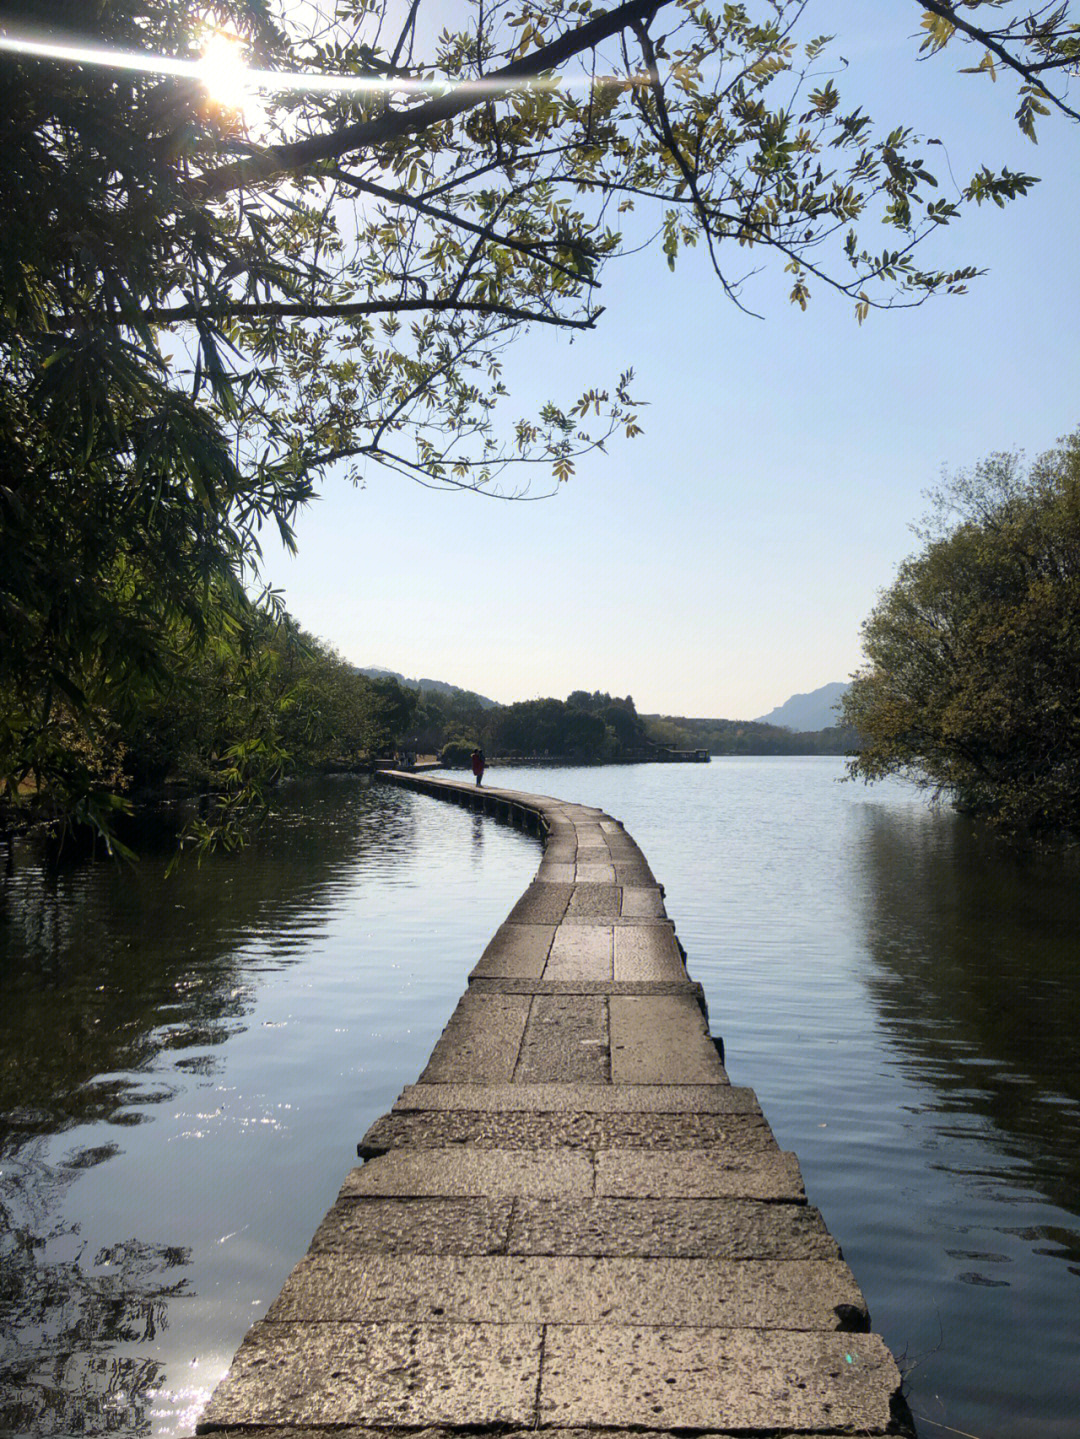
(573, 1221)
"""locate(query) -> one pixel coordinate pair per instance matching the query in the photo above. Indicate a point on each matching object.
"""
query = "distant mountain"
(814, 711)
(438, 687)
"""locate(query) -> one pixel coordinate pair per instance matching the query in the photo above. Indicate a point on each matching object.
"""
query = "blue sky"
(726, 558)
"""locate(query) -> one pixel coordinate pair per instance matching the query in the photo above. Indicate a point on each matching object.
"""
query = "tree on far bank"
(972, 685)
(199, 313)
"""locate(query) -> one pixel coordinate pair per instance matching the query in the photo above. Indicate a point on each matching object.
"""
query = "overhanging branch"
(1030, 72)
(288, 309)
(394, 124)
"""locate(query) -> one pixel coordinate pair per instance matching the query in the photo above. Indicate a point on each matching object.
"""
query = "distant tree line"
(586, 728)
(597, 727)
(722, 736)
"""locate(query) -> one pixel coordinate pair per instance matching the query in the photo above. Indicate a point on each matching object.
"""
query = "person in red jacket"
(477, 758)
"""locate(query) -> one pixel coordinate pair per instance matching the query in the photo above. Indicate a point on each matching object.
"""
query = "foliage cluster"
(255, 700)
(585, 727)
(972, 685)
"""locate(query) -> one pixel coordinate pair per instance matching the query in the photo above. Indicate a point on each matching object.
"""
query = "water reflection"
(119, 986)
(106, 968)
(976, 975)
(68, 1315)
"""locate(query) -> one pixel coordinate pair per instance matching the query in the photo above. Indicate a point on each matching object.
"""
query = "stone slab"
(678, 1228)
(555, 871)
(594, 871)
(687, 1378)
(647, 953)
(375, 1225)
(633, 872)
(697, 1174)
(481, 1040)
(565, 1041)
(595, 902)
(498, 985)
(498, 1289)
(615, 919)
(516, 951)
(449, 1173)
(734, 1135)
(580, 953)
(642, 902)
(541, 904)
(583, 1098)
(410, 1374)
(660, 1040)
(559, 851)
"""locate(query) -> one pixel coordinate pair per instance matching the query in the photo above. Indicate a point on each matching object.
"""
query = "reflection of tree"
(106, 974)
(105, 968)
(977, 982)
(64, 1314)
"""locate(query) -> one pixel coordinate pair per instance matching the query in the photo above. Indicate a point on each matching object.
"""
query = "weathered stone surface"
(697, 1173)
(735, 1135)
(389, 1431)
(680, 1228)
(565, 1041)
(438, 1173)
(633, 872)
(580, 953)
(642, 902)
(500, 1289)
(375, 1225)
(596, 902)
(553, 871)
(482, 1039)
(381, 1373)
(660, 1040)
(647, 952)
(541, 904)
(499, 985)
(614, 920)
(715, 1378)
(517, 951)
(583, 1098)
(593, 871)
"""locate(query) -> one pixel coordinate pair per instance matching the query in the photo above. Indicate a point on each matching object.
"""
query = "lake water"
(186, 1064)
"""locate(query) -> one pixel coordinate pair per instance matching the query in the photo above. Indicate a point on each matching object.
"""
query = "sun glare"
(223, 70)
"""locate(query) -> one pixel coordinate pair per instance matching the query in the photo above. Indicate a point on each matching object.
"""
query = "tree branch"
(946, 11)
(532, 248)
(394, 124)
(286, 309)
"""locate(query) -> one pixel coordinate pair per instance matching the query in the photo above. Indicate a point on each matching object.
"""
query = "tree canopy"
(972, 685)
(202, 308)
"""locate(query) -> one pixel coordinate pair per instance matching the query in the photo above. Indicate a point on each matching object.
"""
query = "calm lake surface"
(186, 1065)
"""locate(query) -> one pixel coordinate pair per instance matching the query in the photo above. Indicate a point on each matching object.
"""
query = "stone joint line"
(572, 1221)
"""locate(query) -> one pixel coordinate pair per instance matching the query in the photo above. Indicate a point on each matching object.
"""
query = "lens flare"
(223, 70)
